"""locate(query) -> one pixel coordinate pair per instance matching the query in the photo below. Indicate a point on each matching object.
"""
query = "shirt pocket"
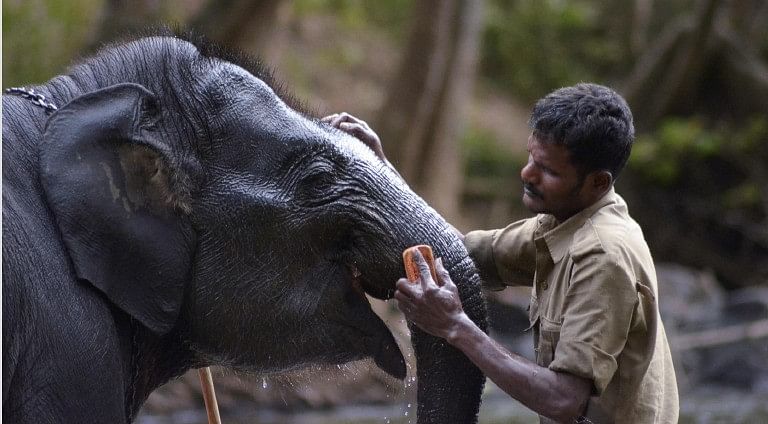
(549, 336)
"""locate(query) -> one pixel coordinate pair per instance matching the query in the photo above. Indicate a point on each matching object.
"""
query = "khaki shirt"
(593, 306)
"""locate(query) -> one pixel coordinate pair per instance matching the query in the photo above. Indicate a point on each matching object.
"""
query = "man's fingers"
(404, 288)
(401, 296)
(360, 122)
(343, 117)
(405, 304)
(337, 119)
(329, 118)
(351, 128)
(442, 273)
(424, 275)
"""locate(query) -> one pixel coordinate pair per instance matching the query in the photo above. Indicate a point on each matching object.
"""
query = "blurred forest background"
(448, 85)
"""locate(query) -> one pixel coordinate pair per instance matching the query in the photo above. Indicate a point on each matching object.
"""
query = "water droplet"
(406, 413)
(263, 383)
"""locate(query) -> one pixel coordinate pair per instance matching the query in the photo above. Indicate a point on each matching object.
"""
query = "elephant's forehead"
(284, 120)
(241, 85)
(251, 100)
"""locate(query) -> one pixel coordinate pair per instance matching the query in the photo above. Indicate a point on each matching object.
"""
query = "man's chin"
(533, 203)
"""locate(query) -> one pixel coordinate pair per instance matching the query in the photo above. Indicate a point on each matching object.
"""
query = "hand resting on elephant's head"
(184, 213)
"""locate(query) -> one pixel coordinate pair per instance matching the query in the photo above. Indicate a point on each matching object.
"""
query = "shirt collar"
(558, 237)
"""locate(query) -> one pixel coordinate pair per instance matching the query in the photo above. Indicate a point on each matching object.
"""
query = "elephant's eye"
(319, 179)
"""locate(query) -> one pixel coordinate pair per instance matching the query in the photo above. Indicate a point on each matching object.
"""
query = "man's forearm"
(556, 395)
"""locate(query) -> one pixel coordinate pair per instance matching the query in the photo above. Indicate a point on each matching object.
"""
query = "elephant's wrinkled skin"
(176, 213)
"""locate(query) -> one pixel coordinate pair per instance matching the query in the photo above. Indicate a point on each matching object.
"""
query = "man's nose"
(528, 173)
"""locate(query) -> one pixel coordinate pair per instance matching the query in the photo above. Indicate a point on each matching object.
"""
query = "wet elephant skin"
(179, 211)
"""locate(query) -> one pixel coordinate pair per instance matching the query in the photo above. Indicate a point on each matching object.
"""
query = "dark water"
(711, 405)
(698, 405)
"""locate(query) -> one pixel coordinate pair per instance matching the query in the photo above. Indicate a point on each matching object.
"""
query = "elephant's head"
(197, 201)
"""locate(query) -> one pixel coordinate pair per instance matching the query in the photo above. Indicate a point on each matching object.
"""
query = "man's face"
(551, 183)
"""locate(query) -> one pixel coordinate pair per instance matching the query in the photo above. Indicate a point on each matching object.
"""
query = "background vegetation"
(448, 85)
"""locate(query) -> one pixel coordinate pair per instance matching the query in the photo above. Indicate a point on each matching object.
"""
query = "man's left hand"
(356, 127)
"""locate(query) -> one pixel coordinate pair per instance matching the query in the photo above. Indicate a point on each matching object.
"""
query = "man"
(601, 350)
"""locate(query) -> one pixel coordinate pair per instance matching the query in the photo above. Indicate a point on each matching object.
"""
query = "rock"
(747, 304)
(689, 299)
(742, 364)
(692, 303)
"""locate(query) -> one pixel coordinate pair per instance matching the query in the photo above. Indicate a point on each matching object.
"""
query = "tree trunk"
(668, 72)
(123, 17)
(245, 24)
(240, 24)
(641, 18)
(749, 18)
(420, 122)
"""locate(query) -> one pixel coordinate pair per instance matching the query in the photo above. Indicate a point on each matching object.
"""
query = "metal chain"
(37, 98)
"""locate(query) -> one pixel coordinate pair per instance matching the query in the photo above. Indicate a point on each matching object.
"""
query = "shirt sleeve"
(597, 314)
(504, 257)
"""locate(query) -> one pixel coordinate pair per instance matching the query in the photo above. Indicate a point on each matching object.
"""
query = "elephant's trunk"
(449, 385)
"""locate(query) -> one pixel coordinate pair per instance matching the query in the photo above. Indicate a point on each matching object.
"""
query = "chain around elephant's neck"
(36, 98)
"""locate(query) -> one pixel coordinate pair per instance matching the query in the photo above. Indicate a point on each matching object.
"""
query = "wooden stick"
(209, 395)
(723, 335)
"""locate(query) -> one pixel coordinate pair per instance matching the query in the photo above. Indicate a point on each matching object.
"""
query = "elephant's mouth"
(357, 283)
(383, 348)
(363, 286)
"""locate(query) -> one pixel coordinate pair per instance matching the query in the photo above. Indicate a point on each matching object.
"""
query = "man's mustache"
(531, 191)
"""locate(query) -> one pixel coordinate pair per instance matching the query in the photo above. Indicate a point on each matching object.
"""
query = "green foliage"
(40, 37)
(491, 188)
(744, 195)
(483, 157)
(659, 155)
(686, 156)
(699, 188)
(531, 47)
(753, 136)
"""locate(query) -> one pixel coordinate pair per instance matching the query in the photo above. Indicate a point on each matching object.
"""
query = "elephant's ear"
(109, 180)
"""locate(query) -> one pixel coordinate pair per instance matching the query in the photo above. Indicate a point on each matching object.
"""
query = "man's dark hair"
(592, 121)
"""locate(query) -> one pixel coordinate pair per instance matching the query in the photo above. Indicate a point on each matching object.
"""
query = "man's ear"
(601, 182)
(108, 177)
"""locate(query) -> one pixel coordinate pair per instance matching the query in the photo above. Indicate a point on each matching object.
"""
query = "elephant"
(179, 210)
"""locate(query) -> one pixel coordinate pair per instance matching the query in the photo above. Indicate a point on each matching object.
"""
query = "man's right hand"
(358, 128)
